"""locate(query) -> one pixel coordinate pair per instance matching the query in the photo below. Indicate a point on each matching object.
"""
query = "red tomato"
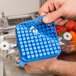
(69, 25)
(58, 32)
(57, 27)
(74, 28)
(66, 30)
(60, 29)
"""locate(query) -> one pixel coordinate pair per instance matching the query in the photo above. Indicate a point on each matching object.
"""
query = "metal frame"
(1, 66)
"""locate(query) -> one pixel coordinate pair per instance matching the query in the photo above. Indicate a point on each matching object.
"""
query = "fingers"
(48, 10)
(63, 22)
(44, 9)
(50, 17)
(58, 21)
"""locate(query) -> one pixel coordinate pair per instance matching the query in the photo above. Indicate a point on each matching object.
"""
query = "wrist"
(57, 68)
(52, 67)
(63, 68)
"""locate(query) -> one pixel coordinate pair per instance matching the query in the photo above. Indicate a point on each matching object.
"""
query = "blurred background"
(15, 7)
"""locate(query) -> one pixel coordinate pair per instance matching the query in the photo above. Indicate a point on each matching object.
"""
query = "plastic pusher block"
(37, 40)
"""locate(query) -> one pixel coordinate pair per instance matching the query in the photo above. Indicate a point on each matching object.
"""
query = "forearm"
(65, 68)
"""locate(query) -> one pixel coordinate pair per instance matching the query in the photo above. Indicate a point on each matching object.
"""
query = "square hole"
(27, 49)
(23, 53)
(26, 46)
(31, 52)
(22, 46)
(44, 54)
(42, 47)
(47, 49)
(53, 45)
(23, 35)
(22, 50)
(30, 48)
(37, 44)
(51, 49)
(38, 47)
(45, 43)
(48, 53)
(25, 42)
(58, 47)
(21, 42)
(32, 56)
(54, 48)
(33, 44)
(19, 35)
(36, 55)
(52, 52)
(39, 51)
(34, 48)
(27, 53)
(22, 32)
(35, 51)
(28, 56)
(40, 54)
(20, 39)
(43, 50)
(24, 39)
(46, 46)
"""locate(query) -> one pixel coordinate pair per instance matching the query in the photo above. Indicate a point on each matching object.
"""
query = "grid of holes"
(46, 29)
(31, 51)
(30, 45)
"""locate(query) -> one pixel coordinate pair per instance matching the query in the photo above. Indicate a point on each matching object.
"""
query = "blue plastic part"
(37, 40)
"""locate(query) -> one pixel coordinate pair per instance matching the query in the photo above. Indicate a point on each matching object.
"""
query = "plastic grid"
(37, 43)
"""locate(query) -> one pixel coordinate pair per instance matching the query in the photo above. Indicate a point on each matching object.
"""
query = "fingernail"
(46, 19)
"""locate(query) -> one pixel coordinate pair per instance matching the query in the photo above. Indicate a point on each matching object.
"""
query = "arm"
(66, 68)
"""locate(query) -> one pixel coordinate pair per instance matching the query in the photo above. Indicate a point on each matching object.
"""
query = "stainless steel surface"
(1, 66)
(14, 20)
(12, 70)
(4, 18)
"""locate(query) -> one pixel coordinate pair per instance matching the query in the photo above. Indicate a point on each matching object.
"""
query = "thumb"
(50, 17)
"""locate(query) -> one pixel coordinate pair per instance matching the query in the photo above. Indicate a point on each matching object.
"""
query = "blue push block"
(37, 40)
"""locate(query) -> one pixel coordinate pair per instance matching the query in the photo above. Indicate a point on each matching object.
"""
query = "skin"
(59, 11)
(63, 65)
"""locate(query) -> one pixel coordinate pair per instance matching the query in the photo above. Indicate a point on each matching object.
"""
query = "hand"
(39, 67)
(48, 65)
(59, 11)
